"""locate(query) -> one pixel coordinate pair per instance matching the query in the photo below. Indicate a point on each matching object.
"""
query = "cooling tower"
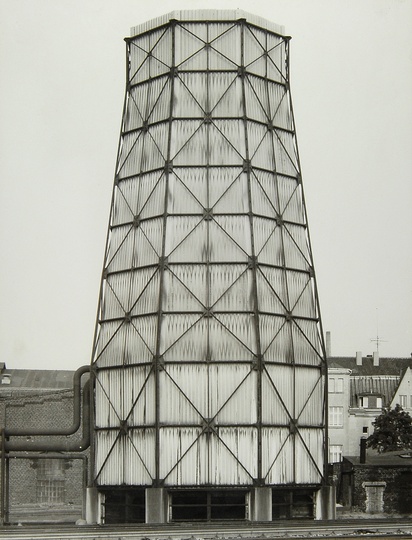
(208, 360)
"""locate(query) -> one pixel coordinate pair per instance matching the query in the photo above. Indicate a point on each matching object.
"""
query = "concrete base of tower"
(260, 508)
(326, 503)
(157, 505)
(92, 506)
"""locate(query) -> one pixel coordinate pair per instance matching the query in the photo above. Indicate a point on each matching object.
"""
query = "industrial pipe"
(28, 432)
(61, 445)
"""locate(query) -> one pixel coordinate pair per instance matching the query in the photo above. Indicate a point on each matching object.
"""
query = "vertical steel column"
(289, 321)
(163, 265)
(324, 367)
(104, 277)
(252, 262)
(208, 221)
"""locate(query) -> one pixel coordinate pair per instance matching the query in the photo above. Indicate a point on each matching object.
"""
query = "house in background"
(339, 403)
(403, 394)
(359, 387)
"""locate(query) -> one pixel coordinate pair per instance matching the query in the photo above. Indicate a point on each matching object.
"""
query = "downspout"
(61, 445)
(3, 478)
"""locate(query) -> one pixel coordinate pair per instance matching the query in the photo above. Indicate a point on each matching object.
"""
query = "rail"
(390, 529)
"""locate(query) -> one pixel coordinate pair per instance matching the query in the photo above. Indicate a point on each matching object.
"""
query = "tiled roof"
(387, 366)
(378, 385)
(367, 379)
(31, 379)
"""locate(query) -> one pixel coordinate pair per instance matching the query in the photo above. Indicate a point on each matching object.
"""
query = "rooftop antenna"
(378, 340)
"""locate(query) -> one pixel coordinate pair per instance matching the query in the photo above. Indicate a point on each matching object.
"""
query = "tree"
(393, 431)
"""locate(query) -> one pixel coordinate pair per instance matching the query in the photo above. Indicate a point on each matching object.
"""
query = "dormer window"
(363, 402)
(379, 403)
(370, 402)
(5, 379)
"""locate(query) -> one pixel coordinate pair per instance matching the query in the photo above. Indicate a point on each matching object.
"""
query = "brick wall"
(35, 495)
(51, 410)
(397, 496)
(25, 502)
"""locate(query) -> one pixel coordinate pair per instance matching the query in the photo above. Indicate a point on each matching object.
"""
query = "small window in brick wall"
(51, 480)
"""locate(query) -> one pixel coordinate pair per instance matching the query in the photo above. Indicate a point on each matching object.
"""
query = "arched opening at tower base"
(209, 361)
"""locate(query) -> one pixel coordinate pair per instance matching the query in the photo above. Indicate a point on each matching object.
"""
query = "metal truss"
(209, 357)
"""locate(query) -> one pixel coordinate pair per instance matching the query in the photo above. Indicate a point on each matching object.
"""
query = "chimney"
(376, 358)
(358, 358)
(362, 456)
(328, 345)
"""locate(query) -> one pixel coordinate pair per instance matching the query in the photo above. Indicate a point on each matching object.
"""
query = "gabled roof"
(401, 388)
(387, 366)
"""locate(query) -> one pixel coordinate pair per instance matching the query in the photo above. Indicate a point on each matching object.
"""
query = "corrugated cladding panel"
(125, 461)
(229, 459)
(208, 354)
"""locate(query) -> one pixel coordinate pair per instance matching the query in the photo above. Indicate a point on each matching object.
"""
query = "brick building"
(39, 485)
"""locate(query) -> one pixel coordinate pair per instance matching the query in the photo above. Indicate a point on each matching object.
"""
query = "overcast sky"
(62, 83)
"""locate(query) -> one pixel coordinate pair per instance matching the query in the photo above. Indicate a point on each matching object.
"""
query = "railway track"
(356, 529)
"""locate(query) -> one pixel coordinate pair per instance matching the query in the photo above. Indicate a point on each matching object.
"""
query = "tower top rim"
(199, 15)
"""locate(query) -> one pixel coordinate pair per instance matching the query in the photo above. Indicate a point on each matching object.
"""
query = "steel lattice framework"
(209, 359)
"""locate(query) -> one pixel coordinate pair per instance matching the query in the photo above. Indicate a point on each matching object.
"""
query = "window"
(365, 429)
(363, 402)
(50, 487)
(370, 402)
(50, 491)
(336, 416)
(335, 385)
(402, 401)
(379, 403)
(335, 453)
